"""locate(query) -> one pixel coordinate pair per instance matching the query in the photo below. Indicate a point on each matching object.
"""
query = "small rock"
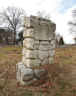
(35, 80)
(39, 72)
(7, 53)
(26, 74)
(18, 53)
(16, 45)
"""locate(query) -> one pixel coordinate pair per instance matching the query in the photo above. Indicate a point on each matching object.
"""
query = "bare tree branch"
(43, 14)
(72, 24)
(12, 17)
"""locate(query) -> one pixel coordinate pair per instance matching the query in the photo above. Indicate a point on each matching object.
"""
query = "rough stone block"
(52, 53)
(43, 54)
(29, 42)
(31, 54)
(30, 33)
(33, 62)
(24, 60)
(17, 65)
(43, 27)
(31, 22)
(52, 44)
(23, 51)
(20, 67)
(24, 43)
(43, 23)
(26, 74)
(43, 47)
(44, 62)
(42, 32)
(49, 47)
(53, 27)
(37, 22)
(51, 60)
(24, 32)
(39, 72)
(44, 42)
(25, 21)
(35, 80)
(36, 46)
(36, 41)
(26, 83)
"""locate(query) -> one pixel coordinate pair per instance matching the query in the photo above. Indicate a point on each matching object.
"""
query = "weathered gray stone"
(36, 42)
(43, 32)
(51, 60)
(31, 54)
(24, 60)
(24, 21)
(52, 53)
(32, 62)
(26, 74)
(49, 48)
(30, 33)
(52, 44)
(23, 51)
(18, 64)
(44, 62)
(44, 42)
(43, 54)
(31, 22)
(36, 46)
(26, 83)
(29, 42)
(43, 47)
(7, 53)
(21, 67)
(35, 80)
(53, 27)
(43, 28)
(39, 72)
(24, 32)
(37, 22)
(32, 16)
(24, 43)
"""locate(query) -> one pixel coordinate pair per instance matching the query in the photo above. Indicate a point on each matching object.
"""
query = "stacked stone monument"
(38, 48)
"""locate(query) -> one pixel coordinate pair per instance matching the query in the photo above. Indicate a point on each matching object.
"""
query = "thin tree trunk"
(14, 37)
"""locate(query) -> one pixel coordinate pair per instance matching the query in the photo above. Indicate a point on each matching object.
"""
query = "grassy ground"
(60, 77)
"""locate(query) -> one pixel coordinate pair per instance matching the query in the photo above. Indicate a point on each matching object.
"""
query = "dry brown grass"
(60, 77)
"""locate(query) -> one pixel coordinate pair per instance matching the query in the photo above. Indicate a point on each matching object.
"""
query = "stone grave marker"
(38, 48)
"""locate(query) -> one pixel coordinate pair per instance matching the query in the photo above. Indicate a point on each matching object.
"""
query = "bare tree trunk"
(14, 37)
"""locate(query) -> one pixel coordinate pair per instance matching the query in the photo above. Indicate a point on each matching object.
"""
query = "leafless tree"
(12, 17)
(75, 39)
(72, 23)
(43, 14)
(57, 38)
